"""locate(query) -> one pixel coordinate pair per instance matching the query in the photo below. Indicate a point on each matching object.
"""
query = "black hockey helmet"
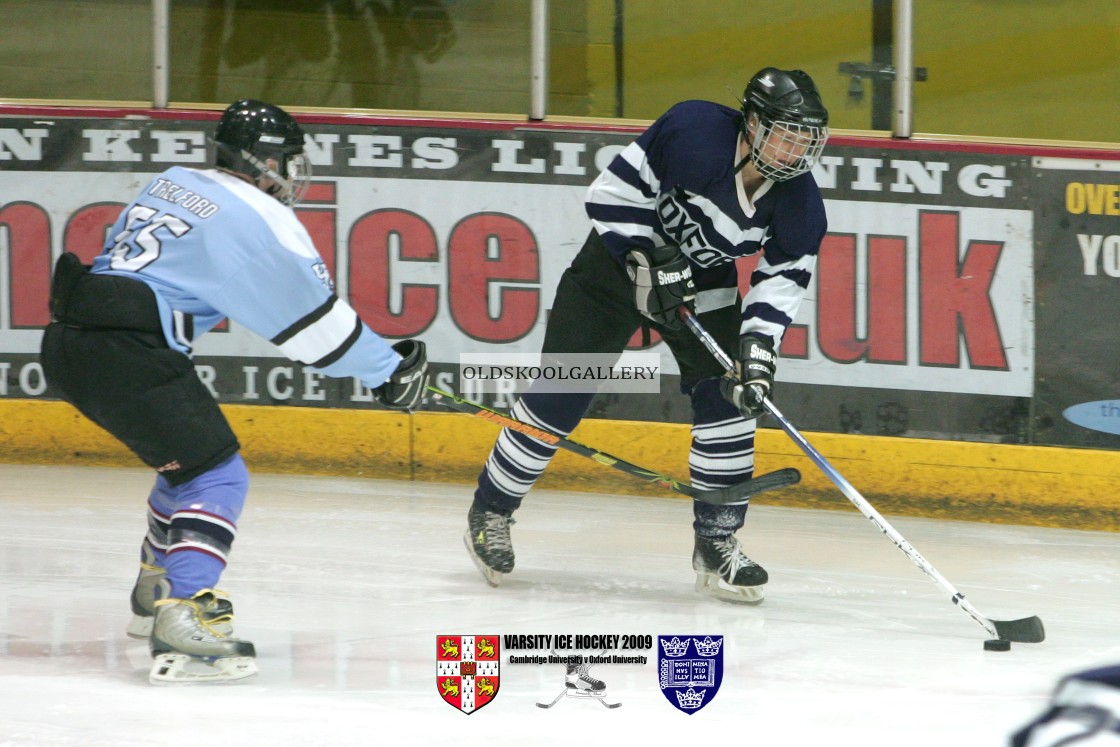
(250, 134)
(785, 121)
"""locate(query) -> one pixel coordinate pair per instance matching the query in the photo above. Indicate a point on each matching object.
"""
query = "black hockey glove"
(662, 282)
(756, 365)
(403, 388)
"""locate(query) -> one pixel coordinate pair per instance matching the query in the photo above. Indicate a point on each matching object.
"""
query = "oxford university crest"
(690, 669)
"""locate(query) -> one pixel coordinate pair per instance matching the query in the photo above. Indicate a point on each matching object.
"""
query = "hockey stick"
(733, 495)
(1025, 630)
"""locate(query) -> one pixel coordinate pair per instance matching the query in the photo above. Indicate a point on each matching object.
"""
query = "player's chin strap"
(1025, 630)
(750, 150)
(282, 185)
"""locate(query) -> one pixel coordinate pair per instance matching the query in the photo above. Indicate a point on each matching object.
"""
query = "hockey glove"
(402, 390)
(662, 282)
(755, 366)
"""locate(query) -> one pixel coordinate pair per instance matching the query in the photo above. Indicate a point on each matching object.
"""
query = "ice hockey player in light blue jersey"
(196, 247)
(211, 245)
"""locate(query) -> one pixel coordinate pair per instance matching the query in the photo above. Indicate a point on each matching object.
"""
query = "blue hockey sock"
(203, 526)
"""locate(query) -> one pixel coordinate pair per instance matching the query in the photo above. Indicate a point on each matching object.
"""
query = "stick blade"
(1026, 630)
(740, 493)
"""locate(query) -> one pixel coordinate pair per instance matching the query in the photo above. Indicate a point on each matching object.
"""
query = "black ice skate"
(578, 683)
(487, 540)
(188, 649)
(725, 573)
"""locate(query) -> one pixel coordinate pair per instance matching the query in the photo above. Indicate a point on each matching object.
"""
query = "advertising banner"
(953, 296)
(1077, 398)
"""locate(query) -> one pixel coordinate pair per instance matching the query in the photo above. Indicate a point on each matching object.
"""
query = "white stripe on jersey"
(724, 225)
(277, 216)
(779, 292)
(715, 298)
(322, 338)
(636, 157)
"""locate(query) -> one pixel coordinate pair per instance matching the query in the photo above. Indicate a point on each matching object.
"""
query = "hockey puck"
(997, 644)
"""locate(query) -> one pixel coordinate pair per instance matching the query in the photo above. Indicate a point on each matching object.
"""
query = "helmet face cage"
(290, 179)
(785, 121)
(782, 150)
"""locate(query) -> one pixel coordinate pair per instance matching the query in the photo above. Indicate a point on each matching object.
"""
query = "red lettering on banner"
(88, 228)
(955, 295)
(371, 280)
(487, 250)
(635, 341)
(318, 214)
(29, 245)
(885, 341)
(795, 342)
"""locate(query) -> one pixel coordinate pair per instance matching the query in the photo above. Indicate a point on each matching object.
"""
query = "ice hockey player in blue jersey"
(196, 247)
(704, 185)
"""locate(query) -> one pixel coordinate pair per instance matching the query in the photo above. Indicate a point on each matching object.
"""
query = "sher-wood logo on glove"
(664, 278)
(760, 353)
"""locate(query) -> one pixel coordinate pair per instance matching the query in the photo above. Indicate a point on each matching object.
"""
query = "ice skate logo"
(467, 670)
(579, 683)
(690, 670)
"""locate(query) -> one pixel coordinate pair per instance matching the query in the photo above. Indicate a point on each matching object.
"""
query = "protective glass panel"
(1013, 69)
(429, 55)
(88, 50)
(636, 58)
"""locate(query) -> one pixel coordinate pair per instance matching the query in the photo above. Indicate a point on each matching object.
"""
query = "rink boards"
(1037, 485)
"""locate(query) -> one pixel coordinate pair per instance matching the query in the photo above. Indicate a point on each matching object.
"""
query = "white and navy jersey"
(676, 185)
(211, 246)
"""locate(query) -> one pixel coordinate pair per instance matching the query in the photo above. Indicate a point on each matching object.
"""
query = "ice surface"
(343, 585)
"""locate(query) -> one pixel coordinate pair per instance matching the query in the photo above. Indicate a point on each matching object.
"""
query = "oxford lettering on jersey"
(678, 226)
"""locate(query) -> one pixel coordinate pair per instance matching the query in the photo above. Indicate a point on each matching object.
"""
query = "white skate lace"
(733, 559)
(497, 531)
(583, 672)
(581, 676)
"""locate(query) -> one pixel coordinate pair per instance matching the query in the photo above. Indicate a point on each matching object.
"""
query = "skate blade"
(711, 585)
(140, 627)
(577, 693)
(181, 669)
(492, 577)
(600, 696)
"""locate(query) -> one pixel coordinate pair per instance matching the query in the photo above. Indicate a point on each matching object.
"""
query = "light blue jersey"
(211, 245)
